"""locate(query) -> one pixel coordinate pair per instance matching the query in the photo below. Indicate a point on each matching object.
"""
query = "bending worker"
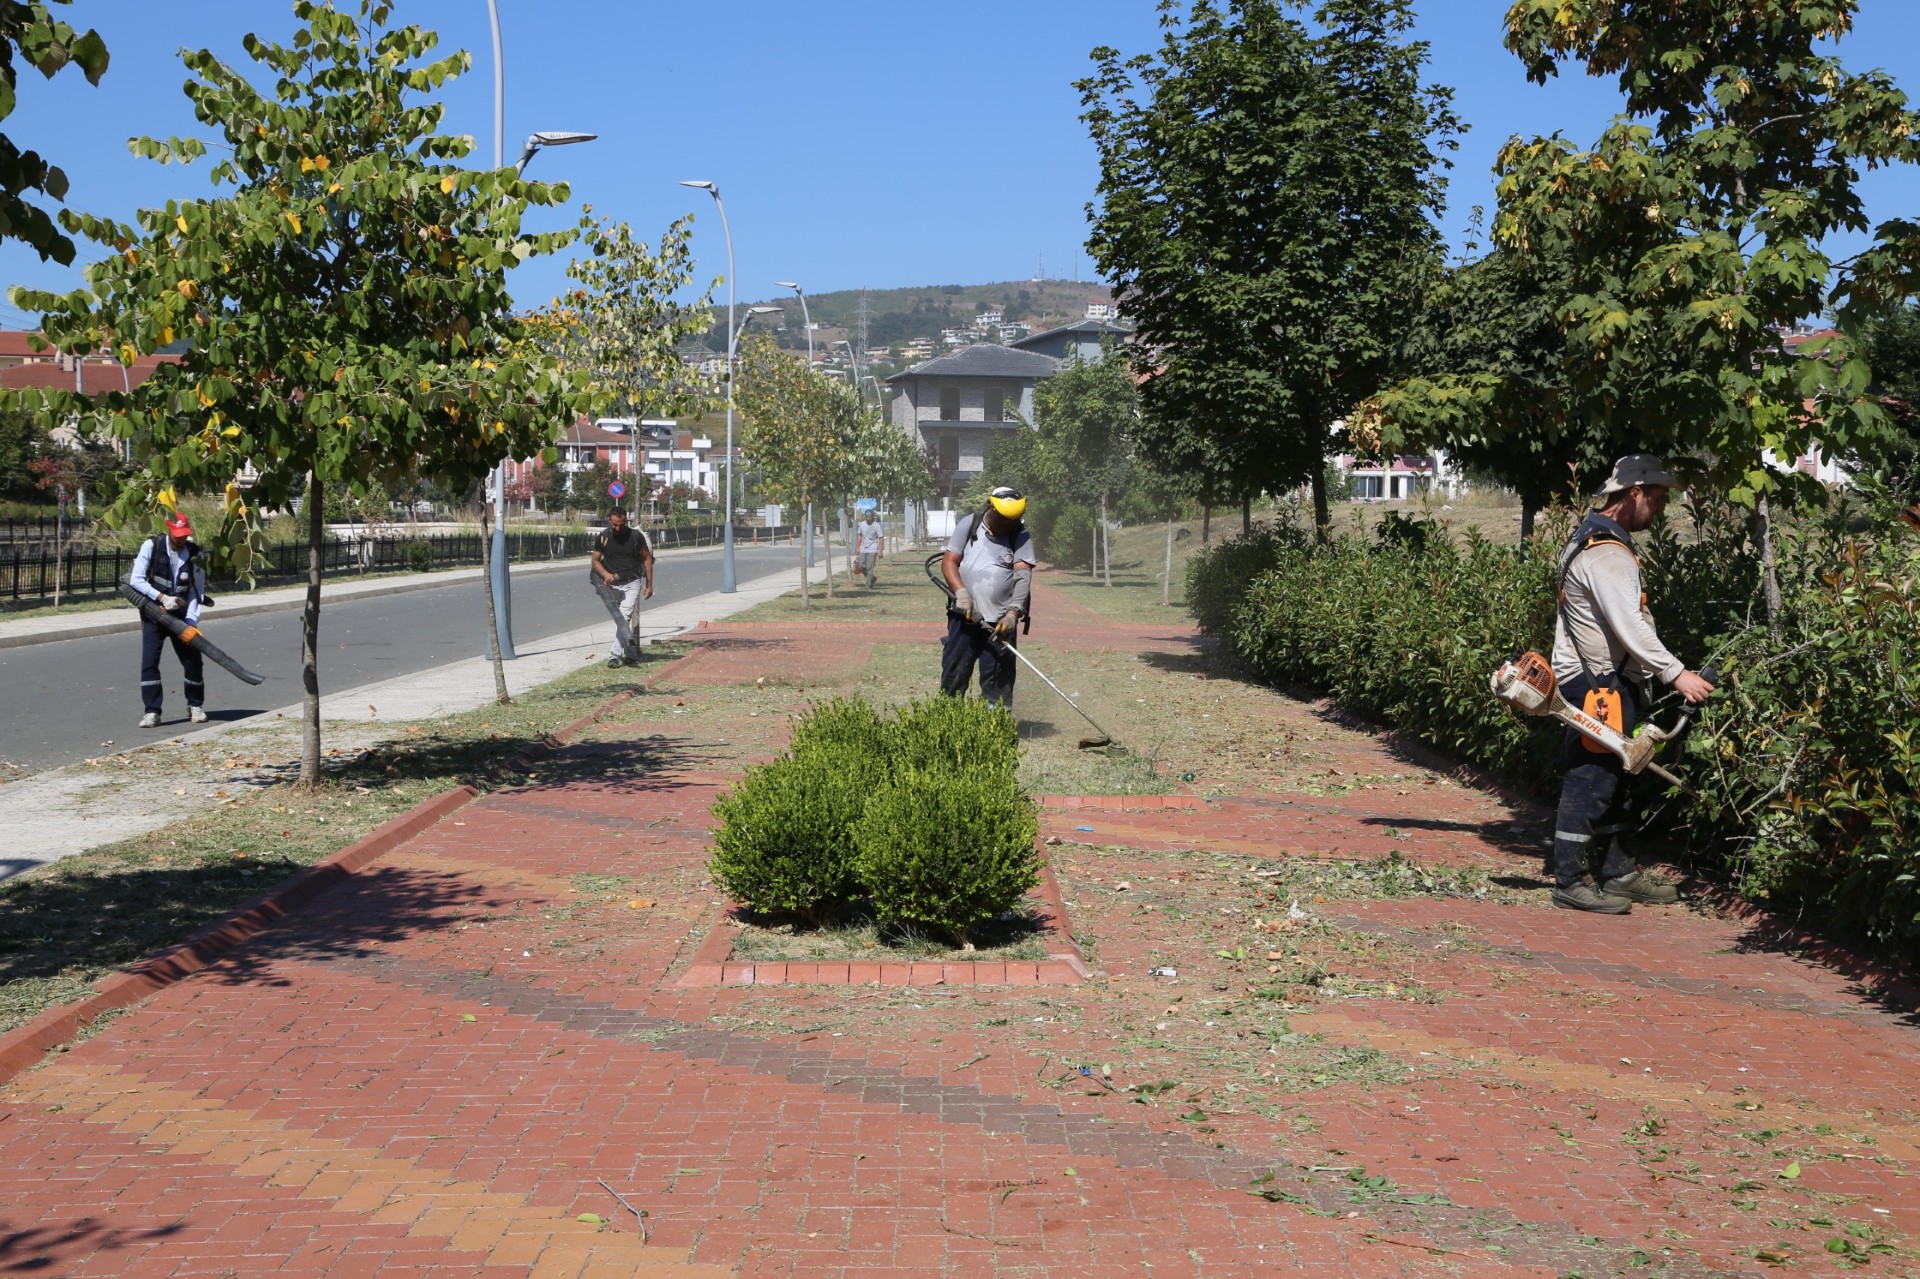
(989, 568)
(622, 571)
(1604, 651)
(168, 570)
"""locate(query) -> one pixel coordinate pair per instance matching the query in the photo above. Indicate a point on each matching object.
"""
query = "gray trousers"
(623, 602)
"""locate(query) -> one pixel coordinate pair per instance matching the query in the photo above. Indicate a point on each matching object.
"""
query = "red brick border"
(25, 1045)
(713, 963)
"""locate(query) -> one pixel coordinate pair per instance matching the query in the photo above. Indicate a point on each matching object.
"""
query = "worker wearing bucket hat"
(988, 567)
(1605, 652)
(169, 571)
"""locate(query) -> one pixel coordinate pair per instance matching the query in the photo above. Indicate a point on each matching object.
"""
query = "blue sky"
(871, 143)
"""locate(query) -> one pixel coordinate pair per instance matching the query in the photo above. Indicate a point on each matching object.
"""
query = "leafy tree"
(1695, 226)
(23, 437)
(1489, 384)
(802, 428)
(30, 33)
(624, 326)
(1087, 415)
(1265, 207)
(345, 296)
(1891, 346)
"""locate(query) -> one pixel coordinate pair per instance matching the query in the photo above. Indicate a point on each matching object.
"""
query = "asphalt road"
(61, 702)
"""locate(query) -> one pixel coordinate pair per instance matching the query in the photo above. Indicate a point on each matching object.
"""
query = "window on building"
(949, 453)
(949, 404)
(996, 404)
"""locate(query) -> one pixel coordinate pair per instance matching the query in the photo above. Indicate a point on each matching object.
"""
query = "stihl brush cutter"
(1527, 684)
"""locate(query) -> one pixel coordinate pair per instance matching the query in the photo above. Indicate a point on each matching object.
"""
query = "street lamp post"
(805, 318)
(727, 578)
(502, 585)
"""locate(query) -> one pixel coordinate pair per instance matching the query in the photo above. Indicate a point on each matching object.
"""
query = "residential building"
(956, 404)
(1102, 311)
(1082, 338)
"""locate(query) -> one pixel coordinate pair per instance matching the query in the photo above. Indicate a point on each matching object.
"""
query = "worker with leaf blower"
(169, 571)
(1605, 649)
(988, 567)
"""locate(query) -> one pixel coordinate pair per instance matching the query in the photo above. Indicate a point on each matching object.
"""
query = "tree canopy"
(1266, 205)
(344, 295)
(30, 33)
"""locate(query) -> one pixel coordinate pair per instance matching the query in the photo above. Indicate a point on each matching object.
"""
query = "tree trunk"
(1529, 509)
(1769, 568)
(1206, 523)
(1106, 544)
(310, 636)
(806, 537)
(1246, 514)
(59, 548)
(1322, 514)
(826, 532)
(1166, 577)
(493, 618)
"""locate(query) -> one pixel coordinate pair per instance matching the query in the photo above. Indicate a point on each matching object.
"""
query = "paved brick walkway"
(433, 1069)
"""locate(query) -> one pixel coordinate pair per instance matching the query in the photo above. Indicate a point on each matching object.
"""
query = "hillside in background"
(901, 315)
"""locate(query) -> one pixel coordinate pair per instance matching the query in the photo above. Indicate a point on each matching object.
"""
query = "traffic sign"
(616, 490)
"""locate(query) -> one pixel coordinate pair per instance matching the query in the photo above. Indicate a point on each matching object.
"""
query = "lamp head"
(559, 138)
(703, 185)
(788, 284)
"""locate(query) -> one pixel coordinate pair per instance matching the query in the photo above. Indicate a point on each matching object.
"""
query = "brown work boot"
(1639, 886)
(1582, 895)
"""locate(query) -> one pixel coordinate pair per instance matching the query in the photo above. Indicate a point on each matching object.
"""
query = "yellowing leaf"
(293, 220)
(322, 163)
(166, 498)
(231, 432)
(446, 186)
(181, 222)
(166, 335)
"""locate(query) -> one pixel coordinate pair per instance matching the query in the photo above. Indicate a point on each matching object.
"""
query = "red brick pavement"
(432, 1068)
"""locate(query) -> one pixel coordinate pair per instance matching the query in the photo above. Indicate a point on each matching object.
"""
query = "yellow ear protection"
(1010, 502)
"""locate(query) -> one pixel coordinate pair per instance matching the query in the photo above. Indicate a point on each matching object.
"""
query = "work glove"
(168, 603)
(963, 603)
(1005, 628)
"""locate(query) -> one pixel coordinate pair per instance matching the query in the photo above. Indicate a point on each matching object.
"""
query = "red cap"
(178, 526)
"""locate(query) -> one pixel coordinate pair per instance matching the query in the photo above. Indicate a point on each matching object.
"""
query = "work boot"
(1582, 895)
(614, 663)
(150, 720)
(197, 714)
(1641, 887)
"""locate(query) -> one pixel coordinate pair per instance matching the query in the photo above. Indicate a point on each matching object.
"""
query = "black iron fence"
(27, 571)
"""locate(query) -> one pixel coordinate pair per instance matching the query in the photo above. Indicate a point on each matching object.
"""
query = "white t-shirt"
(870, 536)
(986, 565)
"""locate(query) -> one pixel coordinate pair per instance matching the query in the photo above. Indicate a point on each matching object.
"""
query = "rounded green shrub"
(784, 843)
(419, 555)
(848, 724)
(946, 736)
(947, 851)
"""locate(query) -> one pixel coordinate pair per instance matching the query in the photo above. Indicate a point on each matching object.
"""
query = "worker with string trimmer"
(988, 569)
(1605, 650)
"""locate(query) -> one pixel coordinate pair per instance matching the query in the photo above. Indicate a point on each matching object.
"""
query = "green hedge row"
(1806, 762)
(918, 815)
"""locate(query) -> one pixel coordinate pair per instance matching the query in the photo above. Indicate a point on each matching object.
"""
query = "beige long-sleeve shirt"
(1603, 620)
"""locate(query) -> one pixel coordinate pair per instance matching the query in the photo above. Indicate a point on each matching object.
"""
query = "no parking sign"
(616, 490)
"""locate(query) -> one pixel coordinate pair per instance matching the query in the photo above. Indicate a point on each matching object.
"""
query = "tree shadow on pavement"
(54, 1249)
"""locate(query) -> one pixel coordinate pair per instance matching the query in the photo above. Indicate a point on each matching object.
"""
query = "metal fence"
(27, 570)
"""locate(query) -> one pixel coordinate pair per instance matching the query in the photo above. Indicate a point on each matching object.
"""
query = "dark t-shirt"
(622, 554)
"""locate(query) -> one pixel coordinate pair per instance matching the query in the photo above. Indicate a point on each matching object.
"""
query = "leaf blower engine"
(1527, 684)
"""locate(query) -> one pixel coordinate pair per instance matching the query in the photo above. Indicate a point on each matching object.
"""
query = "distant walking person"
(871, 545)
(168, 570)
(622, 577)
